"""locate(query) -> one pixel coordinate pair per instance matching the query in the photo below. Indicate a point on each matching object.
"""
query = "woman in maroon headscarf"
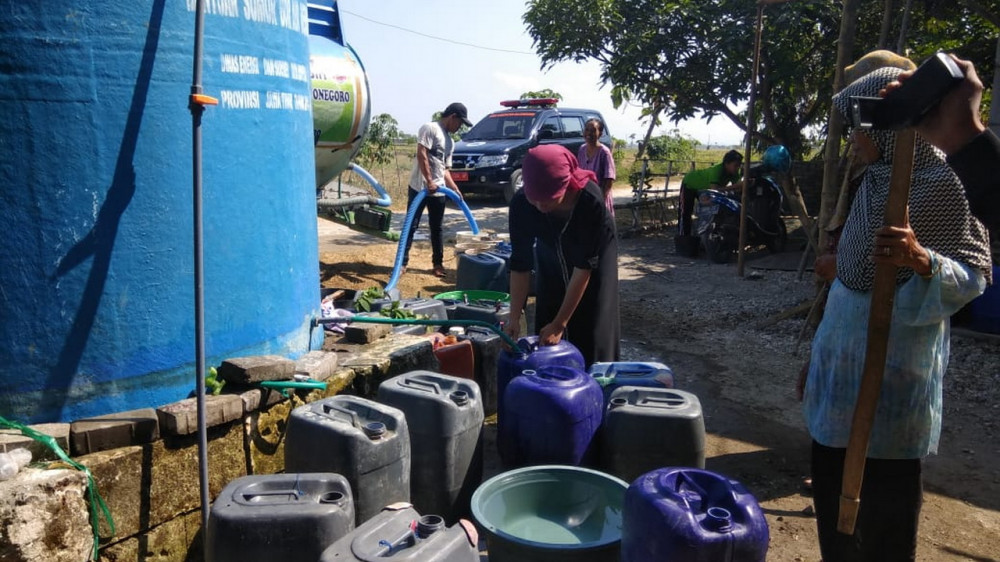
(560, 226)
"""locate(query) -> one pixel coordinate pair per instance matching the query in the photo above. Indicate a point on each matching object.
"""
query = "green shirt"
(701, 179)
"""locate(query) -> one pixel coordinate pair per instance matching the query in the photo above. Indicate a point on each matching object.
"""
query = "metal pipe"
(196, 105)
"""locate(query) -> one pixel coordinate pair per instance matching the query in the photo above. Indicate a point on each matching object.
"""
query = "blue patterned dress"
(908, 418)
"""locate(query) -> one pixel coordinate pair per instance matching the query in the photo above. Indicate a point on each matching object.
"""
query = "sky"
(422, 55)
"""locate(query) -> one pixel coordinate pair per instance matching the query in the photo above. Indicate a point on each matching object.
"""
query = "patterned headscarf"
(938, 211)
(549, 170)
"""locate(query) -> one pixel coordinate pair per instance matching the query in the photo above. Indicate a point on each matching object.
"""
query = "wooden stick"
(879, 320)
(785, 314)
(817, 305)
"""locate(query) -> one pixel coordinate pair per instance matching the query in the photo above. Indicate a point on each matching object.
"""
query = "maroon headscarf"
(549, 170)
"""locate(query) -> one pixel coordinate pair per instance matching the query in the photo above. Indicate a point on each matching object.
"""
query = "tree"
(688, 58)
(674, 147)
(966, 27)
(835, 123)
(540, 94)
(377, 146)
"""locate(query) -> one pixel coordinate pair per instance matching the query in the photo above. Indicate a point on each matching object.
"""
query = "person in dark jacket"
(972, 150)
(561, 227)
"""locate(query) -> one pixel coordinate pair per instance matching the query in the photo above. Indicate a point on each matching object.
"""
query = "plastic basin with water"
(474, 295)
(551, 513)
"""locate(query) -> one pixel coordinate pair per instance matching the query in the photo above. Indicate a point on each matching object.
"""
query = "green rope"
(97, 506)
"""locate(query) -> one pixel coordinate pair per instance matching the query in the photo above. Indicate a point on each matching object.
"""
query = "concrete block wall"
(145, 462)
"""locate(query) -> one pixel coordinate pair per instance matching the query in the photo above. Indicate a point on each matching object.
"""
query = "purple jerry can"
(550, 416)
(689, 514)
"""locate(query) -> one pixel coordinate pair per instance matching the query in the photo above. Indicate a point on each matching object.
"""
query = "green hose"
(422, 322)
(283, 386)
(97, 506)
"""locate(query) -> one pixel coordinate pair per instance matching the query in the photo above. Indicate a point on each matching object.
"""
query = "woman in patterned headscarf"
(561, 228)
(944, 262)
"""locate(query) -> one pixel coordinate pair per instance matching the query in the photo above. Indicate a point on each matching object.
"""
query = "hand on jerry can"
(551, 334)
(512, 329)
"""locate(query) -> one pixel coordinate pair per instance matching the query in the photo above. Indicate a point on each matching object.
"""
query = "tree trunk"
(831, 156)
(904, 28)
(887, 13)
(654, 116)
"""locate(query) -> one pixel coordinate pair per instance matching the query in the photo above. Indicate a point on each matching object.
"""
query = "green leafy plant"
(370, 295)
(212, 382)
(395, 310)
(377, 147)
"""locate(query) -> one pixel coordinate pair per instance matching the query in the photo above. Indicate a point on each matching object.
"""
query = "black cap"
(459, 110)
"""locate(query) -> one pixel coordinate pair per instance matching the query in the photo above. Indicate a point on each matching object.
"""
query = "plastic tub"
(551, 514)
(491, 312)
(473, 295)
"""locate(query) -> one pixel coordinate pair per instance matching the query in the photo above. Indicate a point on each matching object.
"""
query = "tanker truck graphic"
(340, 93)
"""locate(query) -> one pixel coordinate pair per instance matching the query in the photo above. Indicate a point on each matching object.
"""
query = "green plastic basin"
(473, 295)
(551, 513)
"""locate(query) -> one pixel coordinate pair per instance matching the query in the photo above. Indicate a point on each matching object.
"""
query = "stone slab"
(14, 439)
(181, 418)
(177, 540)
(256, 368)
(101, 433)
(148, 485)
(366, 333)
(257, 398)
(317, 365)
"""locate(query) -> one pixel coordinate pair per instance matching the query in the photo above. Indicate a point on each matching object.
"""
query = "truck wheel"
(513, 187)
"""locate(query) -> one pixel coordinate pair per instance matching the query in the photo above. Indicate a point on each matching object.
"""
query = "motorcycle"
(717, 214)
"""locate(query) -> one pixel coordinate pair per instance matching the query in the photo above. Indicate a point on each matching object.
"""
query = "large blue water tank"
(96, 272)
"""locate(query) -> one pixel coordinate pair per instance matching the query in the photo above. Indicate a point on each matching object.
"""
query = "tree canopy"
(688, 58)
(377, 145)
(541, 94)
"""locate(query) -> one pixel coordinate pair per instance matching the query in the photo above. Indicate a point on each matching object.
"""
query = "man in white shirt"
(430, 171)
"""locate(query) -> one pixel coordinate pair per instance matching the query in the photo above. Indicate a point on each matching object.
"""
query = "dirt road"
(704, 322)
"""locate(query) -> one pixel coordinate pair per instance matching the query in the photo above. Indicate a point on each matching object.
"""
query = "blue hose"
(405, 233)
(403, 236)
(461, 205)
(385, 200)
